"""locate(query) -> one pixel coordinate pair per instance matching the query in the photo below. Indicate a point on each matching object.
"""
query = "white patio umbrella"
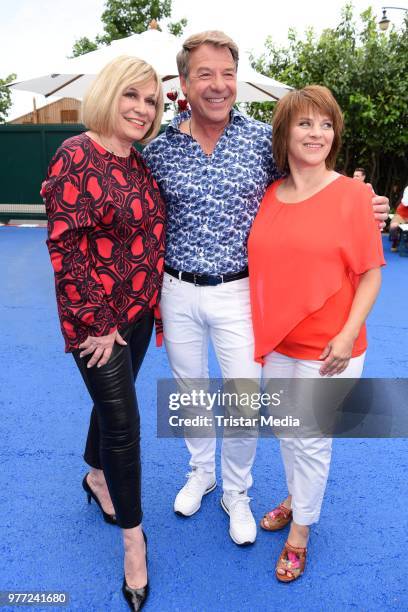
(73, 77)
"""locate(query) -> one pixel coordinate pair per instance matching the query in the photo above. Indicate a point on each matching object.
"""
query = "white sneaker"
(242, 523)
(188, 499)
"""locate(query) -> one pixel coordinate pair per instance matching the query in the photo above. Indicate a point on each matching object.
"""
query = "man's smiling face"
(211, 86)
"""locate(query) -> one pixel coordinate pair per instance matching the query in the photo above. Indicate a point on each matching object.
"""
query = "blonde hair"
(209, 37)
(315, 97)
(101, 101)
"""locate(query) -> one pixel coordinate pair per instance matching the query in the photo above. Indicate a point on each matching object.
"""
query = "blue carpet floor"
(51, 540)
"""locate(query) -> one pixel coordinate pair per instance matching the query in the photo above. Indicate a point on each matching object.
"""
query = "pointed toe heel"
(136, 598)
(108, 518)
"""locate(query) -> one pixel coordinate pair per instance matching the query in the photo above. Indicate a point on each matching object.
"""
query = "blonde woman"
(106, 242)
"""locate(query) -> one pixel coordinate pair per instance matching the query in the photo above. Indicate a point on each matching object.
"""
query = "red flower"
(173, 95)
(182, 105)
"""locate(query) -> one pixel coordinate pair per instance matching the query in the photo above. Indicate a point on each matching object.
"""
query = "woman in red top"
(106, 242)
(314, 260)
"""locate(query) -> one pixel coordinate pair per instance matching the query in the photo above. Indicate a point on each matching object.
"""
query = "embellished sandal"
(292, 561)
(278, 518)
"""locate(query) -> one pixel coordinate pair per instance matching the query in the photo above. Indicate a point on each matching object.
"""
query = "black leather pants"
(113, 443)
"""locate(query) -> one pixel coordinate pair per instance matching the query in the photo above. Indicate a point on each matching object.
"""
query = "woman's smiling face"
(136, 112)
(310, 138)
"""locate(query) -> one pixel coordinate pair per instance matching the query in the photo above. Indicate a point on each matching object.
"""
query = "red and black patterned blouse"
(105, 238)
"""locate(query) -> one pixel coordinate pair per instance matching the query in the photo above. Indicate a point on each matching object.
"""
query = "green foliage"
(367, 72)
(5, 96)
(83, 45)
(176, 28)
(123, 18)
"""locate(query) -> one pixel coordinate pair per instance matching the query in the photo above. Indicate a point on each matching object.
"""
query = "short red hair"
(296, 102)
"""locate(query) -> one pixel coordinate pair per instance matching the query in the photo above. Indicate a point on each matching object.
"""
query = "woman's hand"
(101, 347)
(337, 354)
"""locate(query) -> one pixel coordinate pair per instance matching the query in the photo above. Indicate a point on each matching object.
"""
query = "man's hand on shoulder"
(381, 208)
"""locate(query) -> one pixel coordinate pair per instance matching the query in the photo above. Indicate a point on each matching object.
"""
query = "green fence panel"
(25, 152)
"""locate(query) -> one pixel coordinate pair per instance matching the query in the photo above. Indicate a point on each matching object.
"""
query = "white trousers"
(306, 460)
(192, 316)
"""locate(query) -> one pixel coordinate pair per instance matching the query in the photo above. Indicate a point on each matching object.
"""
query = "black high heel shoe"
(108, 518)
(136, 597)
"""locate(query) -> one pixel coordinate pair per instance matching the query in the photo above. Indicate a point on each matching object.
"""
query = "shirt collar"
(174, 126)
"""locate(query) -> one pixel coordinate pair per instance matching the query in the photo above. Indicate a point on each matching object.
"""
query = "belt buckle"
(222, 278)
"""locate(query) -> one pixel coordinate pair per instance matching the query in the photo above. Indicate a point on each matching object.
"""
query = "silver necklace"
(110, 150)
(191, 133)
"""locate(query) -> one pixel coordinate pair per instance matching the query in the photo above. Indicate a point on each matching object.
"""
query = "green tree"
(5, 96)
(83, 45)
(123, 18)
(177, 27)
(367, 72)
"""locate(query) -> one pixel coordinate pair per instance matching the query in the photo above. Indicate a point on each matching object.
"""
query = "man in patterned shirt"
(212, 165)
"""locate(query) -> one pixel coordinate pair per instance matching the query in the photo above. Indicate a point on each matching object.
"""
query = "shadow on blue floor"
(51, 540)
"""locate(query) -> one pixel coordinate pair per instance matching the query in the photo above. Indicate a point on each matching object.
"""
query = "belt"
(204, 280)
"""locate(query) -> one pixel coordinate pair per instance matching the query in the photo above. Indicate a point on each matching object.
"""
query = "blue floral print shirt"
(212, 199)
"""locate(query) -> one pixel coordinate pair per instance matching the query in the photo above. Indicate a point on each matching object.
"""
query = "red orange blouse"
(105, 237)
(304, 262)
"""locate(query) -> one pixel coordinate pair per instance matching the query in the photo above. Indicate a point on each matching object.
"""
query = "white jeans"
(306, 460)
(192, 316)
